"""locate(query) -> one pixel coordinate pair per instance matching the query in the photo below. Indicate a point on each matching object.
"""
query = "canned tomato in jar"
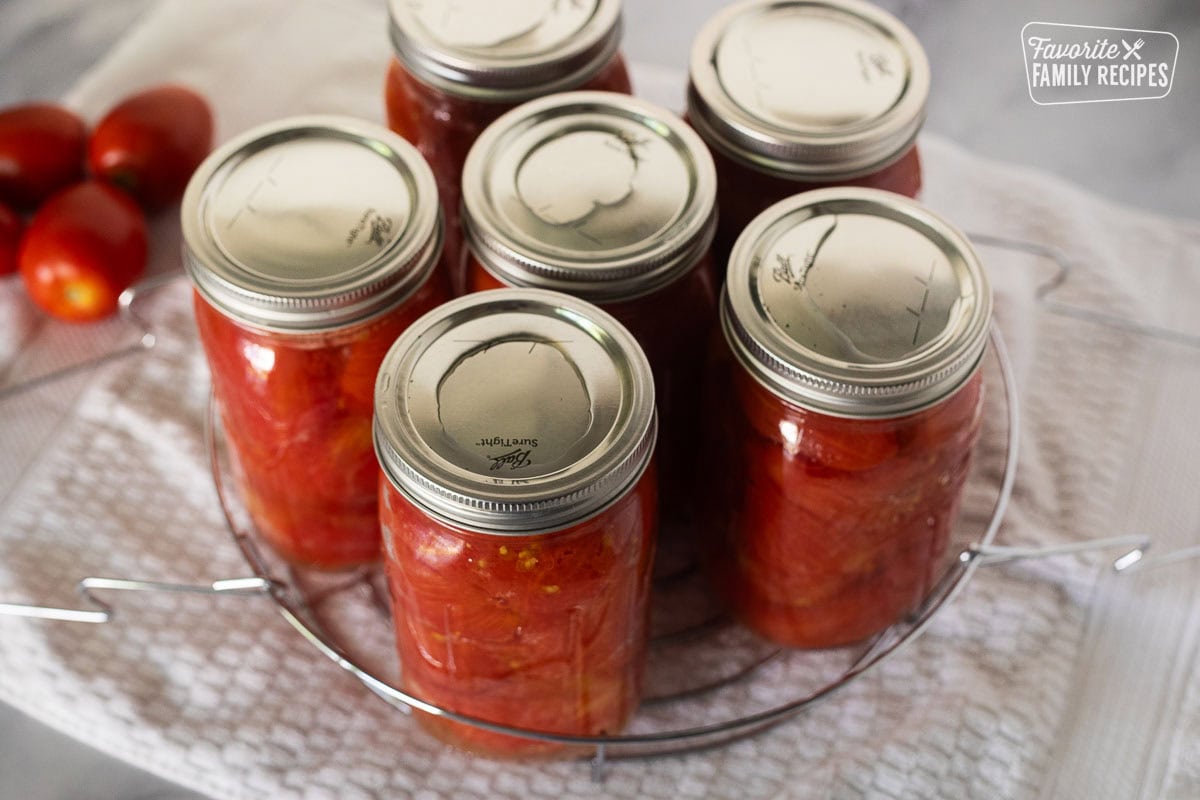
(613, 200)
(850, 403)
(458, 66)
(516, 432)
(793, 95)
(312, 243)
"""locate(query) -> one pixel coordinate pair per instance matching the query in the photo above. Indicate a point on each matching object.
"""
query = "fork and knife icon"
(1132, 49)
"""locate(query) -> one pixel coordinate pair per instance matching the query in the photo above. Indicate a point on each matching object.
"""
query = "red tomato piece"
(828, 529)
(853, 448)
(299, 524)
(946, 422)
(340, 460)
(84, 247)
(360, 365)
(850, 445)
(41, 151)
(152, 142)
(301, 390)
(296, 408)
(10, 238)
(363, 353)
(538, 632)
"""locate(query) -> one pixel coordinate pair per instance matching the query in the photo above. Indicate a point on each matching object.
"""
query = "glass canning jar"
(516, 433)
(459, 66)
(312, 243)
(793, 95)
(846, 409)
(613, 200)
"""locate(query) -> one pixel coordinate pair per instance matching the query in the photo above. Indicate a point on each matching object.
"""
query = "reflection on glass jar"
(312, 244)
(795, 95)
(516, 431)
(613, 200)
(846, 406)
(459, 66)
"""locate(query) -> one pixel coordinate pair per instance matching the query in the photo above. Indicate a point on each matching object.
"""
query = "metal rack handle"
(104, 612)
(127, 313)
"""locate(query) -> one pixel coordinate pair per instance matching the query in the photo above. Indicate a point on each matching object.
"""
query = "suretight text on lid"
(514, 410)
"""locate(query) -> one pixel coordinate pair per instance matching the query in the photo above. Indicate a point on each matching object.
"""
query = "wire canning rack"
(708, 680)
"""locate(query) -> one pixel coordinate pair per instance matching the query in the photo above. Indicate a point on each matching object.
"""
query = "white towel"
(1042, 679)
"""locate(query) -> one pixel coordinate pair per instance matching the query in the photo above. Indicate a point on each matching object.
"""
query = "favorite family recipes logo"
(1087, 64)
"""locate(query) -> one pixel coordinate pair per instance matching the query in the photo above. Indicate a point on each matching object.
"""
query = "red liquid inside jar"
(296, 409)
(443, 126)
(744, 192)
(542, 632)
(834, 528)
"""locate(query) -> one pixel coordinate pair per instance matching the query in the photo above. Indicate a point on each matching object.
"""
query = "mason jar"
(516, 432)
(311, 243)
(793, 95)
(613, 200)
(846, 409)
(458, 66)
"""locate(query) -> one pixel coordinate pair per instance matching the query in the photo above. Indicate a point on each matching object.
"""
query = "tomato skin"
(541, 631)
(150, 143)
(827, 530)
(297, 414)
(41, 151)
(10, 239)
(85, 246)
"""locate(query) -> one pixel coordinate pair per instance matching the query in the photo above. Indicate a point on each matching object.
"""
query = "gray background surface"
(1142, 154)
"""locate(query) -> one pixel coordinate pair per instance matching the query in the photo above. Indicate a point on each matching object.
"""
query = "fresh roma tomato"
(84, 247)
(10, 238)
(41, 151)
(152, 142)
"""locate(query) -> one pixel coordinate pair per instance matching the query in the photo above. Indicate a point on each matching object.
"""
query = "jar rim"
(278, 233)
(866, 116)
(833, 334)
(514, 411)
(652, 224)
(508, 66)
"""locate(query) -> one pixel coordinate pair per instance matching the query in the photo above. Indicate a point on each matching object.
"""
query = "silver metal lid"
(596, 194)
(514, 411)
(505, 50)
(311, 223)
(856, 302)
(826, 89)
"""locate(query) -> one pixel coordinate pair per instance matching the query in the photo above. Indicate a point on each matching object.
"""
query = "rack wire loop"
(992, 554)
(103, 611)
(692, 732)
(1135, 560)
(1044, 293)
(127, 311)
(294, 605)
